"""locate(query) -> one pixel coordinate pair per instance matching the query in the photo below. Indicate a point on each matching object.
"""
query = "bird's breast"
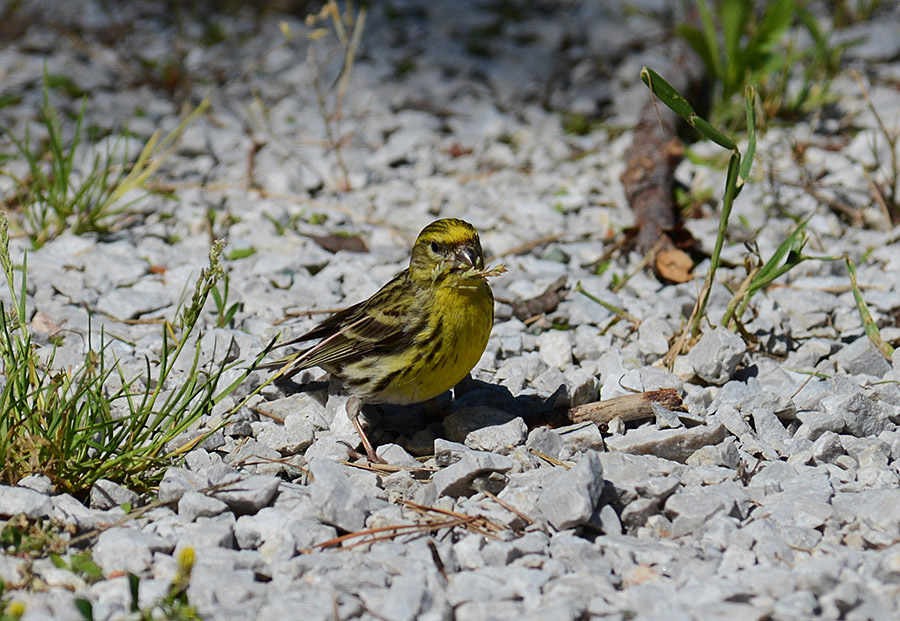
(457, 333)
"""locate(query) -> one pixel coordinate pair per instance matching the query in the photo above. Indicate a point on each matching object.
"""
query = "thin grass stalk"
(715, 259)
(869, 325)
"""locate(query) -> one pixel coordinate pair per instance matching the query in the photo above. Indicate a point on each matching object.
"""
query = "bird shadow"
(502, 406)
(495, 405)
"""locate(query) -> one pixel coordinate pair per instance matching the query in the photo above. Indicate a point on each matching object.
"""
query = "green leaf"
(85, 608)
(750, 106)
(241, 253)
(869, 324)
(698, 42)
(733, 15)
(775, 23)
(669, 96)
(711, 36)
(83, 563)
(134, 585)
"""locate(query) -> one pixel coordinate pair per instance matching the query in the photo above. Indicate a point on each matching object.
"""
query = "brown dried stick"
(650, 172)
(627, 407)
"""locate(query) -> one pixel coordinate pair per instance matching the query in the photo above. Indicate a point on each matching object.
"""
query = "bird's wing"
(382, 323)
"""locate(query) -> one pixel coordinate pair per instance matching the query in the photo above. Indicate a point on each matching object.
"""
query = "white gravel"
(776, 496)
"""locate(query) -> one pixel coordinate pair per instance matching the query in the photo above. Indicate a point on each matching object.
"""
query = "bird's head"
(444, 248)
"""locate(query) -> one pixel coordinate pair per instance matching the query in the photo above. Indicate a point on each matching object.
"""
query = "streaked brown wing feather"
(379, 324)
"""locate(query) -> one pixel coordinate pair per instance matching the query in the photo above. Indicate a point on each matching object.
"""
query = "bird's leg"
(354, 407)
(433, 410)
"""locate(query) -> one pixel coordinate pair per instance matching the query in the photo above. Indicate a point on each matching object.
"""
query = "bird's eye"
(434, 247)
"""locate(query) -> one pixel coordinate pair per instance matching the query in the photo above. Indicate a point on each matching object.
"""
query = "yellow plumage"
(417, 336)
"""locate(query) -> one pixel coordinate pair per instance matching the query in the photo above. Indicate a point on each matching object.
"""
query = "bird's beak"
(468, 258)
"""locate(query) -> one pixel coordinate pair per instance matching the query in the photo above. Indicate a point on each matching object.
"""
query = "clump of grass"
(58, 194)
(75, 425)
(224, 313)
(741, 43)
(26, 538)
(760, 274)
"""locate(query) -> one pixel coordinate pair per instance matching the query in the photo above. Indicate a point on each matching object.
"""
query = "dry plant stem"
(387, 468)
(892, 138)
(620, 243)
(550, 460)
(619, 312)
(393, 531)
(648, 180)
(740, 297)
(350, 56)
(477, 524)
(351, 47)
(326, 117)
(649, 256)
(878, 195)
(853, 214)
(627, 407)
(508, 506)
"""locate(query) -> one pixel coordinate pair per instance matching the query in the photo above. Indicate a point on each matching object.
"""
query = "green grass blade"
(716, 257)
(869, 324)
(712, 38)
(747, 160)
(698, 42)
(669, 96)
(733, 15)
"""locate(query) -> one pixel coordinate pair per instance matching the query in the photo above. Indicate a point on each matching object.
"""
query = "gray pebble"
(106, 494)
(248, 494)
(68, 510)
(308, 532)
(457, 479)
(207, 532)
(862, 417)
(16, 500)
(498, 438)
(578, 439)
(570, 501)
(265, 531)
(337, 500)
(555, 348)
(716, 355)
(176, 481)
(396, 456)
(123, 549)
(878, 507)
(546, 441)
(192, 505)
(36, 482)
(295, 435)
(461, 423)
(131, 303)
(861, 357)
(674, 444)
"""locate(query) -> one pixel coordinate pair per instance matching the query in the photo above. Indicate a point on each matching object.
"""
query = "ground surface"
(775, 496)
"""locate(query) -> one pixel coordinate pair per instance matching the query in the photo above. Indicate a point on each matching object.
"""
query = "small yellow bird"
(417, 336)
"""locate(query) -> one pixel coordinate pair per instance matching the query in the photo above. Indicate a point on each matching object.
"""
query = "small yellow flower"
(415, 338)
(15, 609)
